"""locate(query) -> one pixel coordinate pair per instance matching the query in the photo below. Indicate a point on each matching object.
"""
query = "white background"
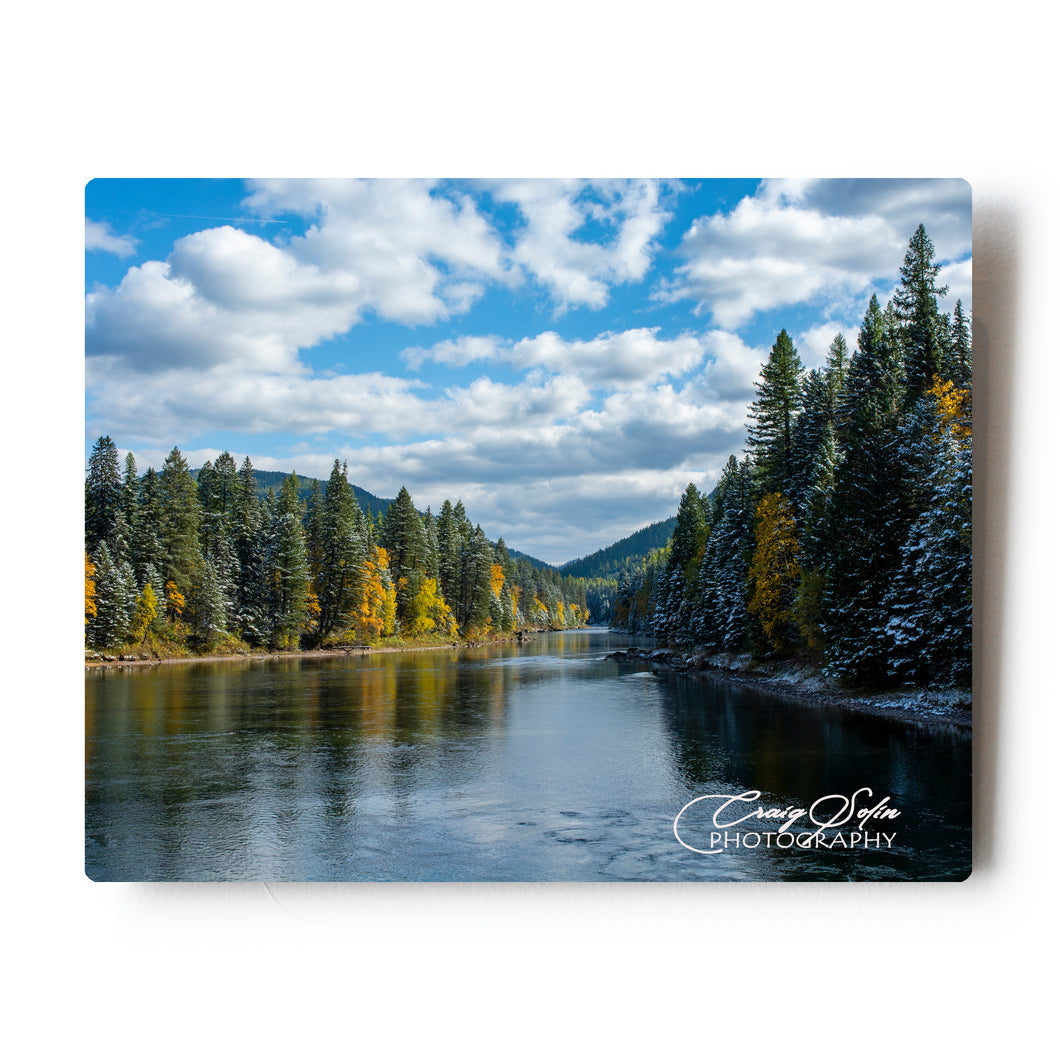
(811, 89)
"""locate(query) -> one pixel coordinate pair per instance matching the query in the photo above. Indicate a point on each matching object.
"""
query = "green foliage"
(773, 414)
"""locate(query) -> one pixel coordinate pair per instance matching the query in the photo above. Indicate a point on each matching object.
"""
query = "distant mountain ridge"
(608, 562)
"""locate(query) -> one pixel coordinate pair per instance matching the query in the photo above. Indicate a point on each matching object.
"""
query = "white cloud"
(732, 369)
(412, 252)
(416, 249)
(813, 343)
(813, 241)
(580, 237)
(100, 236)
(958, 277)
(610, 360)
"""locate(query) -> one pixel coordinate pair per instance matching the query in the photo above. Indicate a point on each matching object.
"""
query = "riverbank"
(100, 659)
(937, 708)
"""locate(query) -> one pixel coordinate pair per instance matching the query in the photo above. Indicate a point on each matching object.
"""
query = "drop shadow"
(996, 265)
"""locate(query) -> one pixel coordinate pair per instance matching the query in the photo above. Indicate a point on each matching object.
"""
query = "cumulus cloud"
(958, 278)
(100, 236)
(609, 360)
(812, 241)
(417, 249)
(732, 369)
(579, 237)
(813, 343)
(412, 252)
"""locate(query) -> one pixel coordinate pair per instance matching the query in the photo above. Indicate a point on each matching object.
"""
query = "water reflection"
(525, 762)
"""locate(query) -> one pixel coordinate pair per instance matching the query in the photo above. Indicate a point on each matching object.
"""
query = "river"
(519, 762)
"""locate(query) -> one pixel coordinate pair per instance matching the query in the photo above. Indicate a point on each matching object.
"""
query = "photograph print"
(526, 530)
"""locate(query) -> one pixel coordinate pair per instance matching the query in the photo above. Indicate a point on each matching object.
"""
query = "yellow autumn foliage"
(90, 589)
(774, 571)
(953, 408)
(428, 612)
(174, 602)
(145, 614)
(375, 614)
(496, 579)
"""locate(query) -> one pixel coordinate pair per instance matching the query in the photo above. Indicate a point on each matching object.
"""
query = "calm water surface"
(541, 761)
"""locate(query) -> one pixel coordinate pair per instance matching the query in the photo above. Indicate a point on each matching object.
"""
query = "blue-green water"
(540, 761)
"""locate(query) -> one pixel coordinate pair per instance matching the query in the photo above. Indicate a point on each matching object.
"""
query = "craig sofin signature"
(828, 814)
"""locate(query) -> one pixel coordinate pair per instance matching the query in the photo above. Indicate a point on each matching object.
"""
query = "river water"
(539, 761)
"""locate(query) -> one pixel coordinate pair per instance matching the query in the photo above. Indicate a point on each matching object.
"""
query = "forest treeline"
(207, 563)
(844, 533)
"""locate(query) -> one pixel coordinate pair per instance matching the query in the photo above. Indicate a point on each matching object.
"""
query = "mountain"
(608, 562)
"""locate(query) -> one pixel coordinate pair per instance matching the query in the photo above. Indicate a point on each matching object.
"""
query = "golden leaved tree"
(774, 572)
(376, 611)
(90, 589)
(428, 612)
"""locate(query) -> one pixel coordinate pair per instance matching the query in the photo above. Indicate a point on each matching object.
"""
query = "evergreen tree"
(916, 305)
(450, 546)
(721, 618)
(929, 602)
(115, 600)
(773, 415)
(958, 363)
(209, 606)
(403, 540)
(103, 493)
(249, 541)
(677, 583)
(180, 522)
(288, 571)
(476, 581)
(343, 552)
(869, 512)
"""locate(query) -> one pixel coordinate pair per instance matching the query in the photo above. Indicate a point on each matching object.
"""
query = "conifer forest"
(843, 535)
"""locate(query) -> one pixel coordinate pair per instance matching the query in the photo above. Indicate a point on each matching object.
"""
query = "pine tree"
(249, 541)
(721, 619)
(209, 606)
(450, 545)
(288, 571)
(103, 493)
(916, 305)
(677, 583)
(180, 522)
(773, 415)
(403, 540)
(929, 602)
(115, 600)
(476, 573)
(869, 512)
(342, 553)
(958, 362)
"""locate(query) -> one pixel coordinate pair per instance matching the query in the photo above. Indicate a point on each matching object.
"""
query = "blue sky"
(563, 356)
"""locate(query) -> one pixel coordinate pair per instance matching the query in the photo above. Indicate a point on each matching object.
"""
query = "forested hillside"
(844, 534)
(609, 562)
(209, 562)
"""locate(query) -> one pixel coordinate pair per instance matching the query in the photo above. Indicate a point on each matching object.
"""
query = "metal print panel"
(528, 530)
